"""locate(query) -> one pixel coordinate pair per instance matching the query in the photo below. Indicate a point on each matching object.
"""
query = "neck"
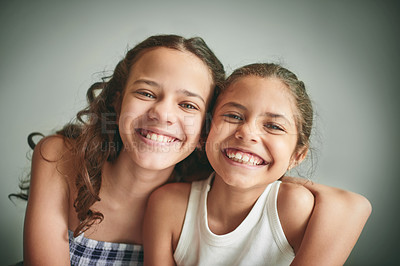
(228, 206)
(126, 181)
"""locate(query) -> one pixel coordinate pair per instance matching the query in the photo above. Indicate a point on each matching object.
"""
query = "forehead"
(260, 94)
(172, 62)
(173, 68)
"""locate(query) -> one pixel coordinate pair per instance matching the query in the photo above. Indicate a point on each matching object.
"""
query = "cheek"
(125, 121)
(130, 110)
(212, 135)
(218, 127)
(224, 131)
(283, 149)
(214, 139)
(210, 148)
(192, 125)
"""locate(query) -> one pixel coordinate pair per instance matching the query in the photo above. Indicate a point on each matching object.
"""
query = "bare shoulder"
(53, 148)
(47, 213)
(295, 196)
(295, 206)
(170, 198)
(335, 197)
(53, 166)
(172, 188)
(165, 213)
(54, 152)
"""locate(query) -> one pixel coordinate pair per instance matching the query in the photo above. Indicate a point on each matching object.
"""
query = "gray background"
(347, 52)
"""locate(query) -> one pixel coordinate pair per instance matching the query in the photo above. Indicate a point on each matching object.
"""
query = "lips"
(243, 157)
(157, 137)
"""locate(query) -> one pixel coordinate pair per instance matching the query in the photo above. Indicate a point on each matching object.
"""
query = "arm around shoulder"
(46, 218)
(163, 223)
(332, 195)
(334, 227)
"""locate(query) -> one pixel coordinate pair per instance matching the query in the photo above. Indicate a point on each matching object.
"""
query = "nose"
(163, 111)
(247, 133)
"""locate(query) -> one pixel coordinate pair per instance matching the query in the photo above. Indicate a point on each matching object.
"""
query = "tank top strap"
(276, 227)
(191, 218)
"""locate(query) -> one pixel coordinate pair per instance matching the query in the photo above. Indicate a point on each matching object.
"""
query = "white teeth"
(243, 158)
(159, 138)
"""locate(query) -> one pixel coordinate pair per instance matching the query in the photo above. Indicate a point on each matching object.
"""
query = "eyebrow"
(191, 94)
(148, 82)
(274, 115)
(267, 114)
(181, 91)
(233, 104)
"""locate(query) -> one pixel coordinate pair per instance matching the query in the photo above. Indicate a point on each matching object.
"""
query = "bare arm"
(334, 226)
(163, 222)
(46, 219)
(295, 205)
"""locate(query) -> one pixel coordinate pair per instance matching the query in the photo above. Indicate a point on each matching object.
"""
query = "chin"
(245, 180)
(236, 180)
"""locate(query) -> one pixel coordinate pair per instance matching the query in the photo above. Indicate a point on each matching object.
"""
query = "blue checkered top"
(85, 251)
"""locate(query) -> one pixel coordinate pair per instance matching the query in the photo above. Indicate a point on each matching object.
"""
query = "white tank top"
(258, 240)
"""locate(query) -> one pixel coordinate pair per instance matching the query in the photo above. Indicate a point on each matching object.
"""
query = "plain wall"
(347, 53)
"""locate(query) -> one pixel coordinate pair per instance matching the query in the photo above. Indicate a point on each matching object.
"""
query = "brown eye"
(274, 127)
(188, 106)
(146, 94)
(233, 117)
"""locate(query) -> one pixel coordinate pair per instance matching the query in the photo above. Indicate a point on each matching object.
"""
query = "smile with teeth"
(243, 157)
(156, 137)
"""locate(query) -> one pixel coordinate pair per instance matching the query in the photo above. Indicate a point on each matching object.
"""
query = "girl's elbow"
(357, 204)
(363, 205)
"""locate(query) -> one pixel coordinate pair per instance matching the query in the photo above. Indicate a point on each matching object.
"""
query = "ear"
(298, 156)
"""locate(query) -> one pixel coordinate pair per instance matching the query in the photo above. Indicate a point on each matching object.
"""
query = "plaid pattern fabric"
(85, 251)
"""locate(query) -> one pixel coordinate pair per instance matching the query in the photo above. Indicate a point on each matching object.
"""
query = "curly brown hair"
(94, 144)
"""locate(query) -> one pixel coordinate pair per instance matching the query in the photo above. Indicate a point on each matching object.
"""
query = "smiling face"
(163, 107)
(253, 136)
